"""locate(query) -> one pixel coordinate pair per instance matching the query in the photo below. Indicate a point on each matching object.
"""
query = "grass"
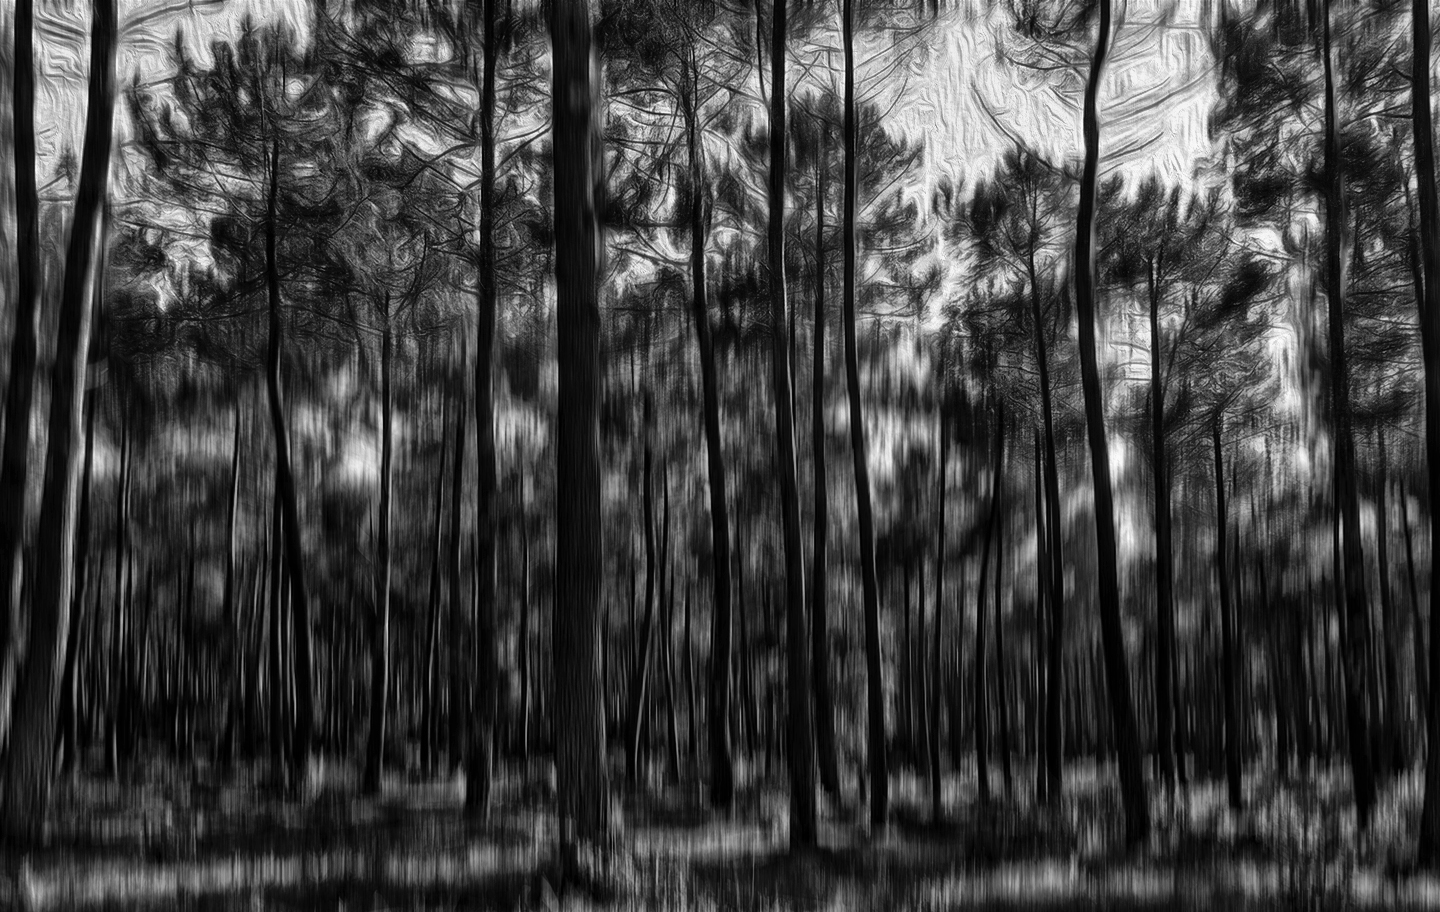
(171, 840)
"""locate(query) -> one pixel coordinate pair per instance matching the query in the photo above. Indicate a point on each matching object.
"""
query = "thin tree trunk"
(1164, 561)
(1229, 669)
(870, 588)
(1357, 637)
(819, 601)
(979, 699)
(1132, 776)
(480, 762)
(380, 606)
(640, 671)
(936, 684)
(1429, 847)
(459, 672)
(801, 732)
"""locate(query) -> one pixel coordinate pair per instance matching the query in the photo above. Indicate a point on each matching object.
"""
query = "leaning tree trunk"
(869, 584)
(28, 773)
(380, 607)
(640, 671)
(800, 735)
(1356, 622)
(583, 789)
(819, 619)
(293, 541)
(14, 457)
(938, 635)
(1430, 340)
(1117, 672)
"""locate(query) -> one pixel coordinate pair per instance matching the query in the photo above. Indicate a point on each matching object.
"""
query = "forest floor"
(184, 841)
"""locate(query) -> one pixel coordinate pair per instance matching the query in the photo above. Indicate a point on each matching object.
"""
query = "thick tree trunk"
(1357, 625)
(14, 457)
(1429, 848)
(801, 733)
(37, 695)
(1132, 775)
(870, 587)
(583, 786)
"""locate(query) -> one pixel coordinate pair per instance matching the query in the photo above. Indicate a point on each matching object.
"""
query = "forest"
(718, 454)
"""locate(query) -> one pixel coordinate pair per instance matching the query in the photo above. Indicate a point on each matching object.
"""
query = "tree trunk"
(801, 733)
(380, 604)
(1429, 848)
(1132, 776)
(285, 488)
(1164, 561)
(640, 671)
(870, 588)
(459, 673)
(979, 697)
(14, 457)
(936, 685)
(1229, 669)
(480, 762)
(583, 787)
(37, 695)
(1357, 637)
(819, 601)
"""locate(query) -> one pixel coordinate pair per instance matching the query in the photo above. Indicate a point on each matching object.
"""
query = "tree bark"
(1429, 846)
(19, 393)
(1229, 669)
(1164, 560)
(480, 762)
(380, 604)
(31, 758)
(870, 588)
(819, 601)
(583, 787)
(801, 733)
(1356, 602)
(1132, 776)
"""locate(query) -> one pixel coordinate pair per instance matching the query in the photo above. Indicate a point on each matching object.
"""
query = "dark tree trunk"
(1164, 562)
(380, 604)
(819, 602)
(870, 588)
(801, 746)
(640, 671)
(37, 694)
(978, 695)
(1429, 848)
(289, 502)
(14, 457)
(583, 787)
(1357, 624)
(459, 671)
(1127, 743)
(1229, 668)
(480, 760)
(936, 672)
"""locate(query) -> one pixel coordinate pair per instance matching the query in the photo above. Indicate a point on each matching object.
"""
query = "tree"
(1132, 781)
(800, 740)
(28, 774)
(581, 774)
